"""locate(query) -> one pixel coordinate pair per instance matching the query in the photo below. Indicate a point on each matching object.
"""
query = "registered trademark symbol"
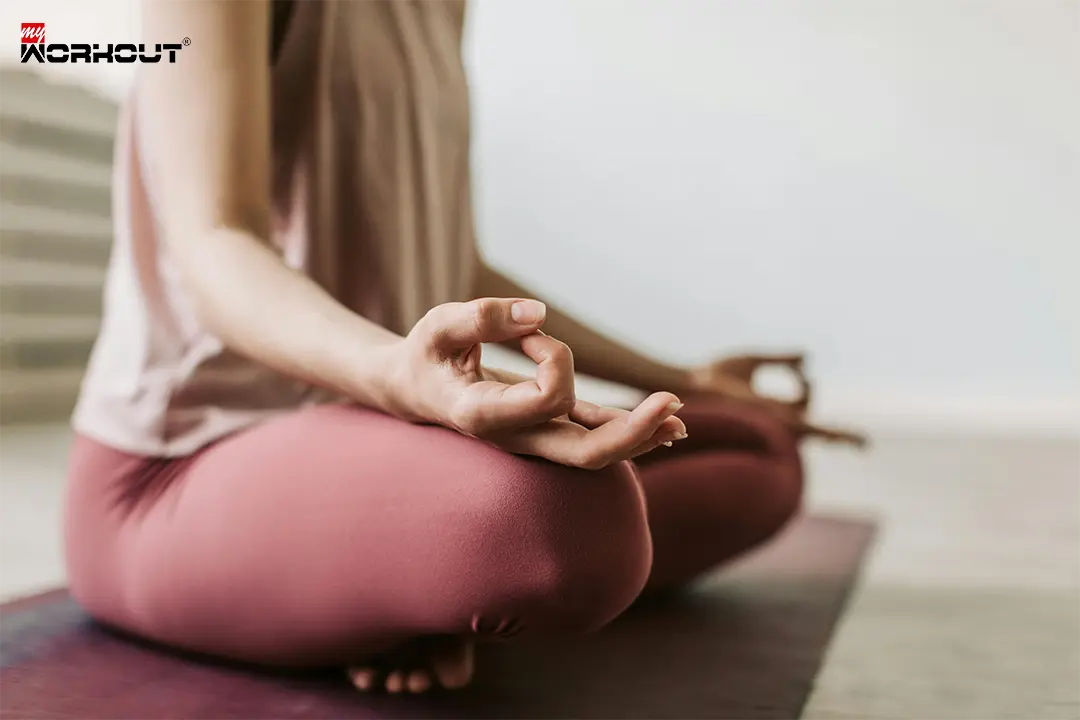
(186, 41)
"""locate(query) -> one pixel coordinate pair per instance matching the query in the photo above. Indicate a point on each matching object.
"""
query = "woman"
(288, 451)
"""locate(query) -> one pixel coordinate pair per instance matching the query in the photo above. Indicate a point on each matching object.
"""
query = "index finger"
(491, 406)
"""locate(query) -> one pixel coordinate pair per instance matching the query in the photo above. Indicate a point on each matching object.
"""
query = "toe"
(452, 662)
(419, 681)
(395, 682)
(362, 678)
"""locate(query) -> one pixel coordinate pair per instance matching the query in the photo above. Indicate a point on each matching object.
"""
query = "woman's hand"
(733, 377)
(436, 376)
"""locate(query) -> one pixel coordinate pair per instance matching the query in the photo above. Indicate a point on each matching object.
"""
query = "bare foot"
(445, 662)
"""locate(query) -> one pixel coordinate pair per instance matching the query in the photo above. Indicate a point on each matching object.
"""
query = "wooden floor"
(970, 606)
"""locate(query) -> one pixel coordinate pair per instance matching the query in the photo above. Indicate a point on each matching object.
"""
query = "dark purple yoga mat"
(745, 643)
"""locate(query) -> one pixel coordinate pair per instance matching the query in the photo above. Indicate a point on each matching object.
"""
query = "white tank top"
(371, 199)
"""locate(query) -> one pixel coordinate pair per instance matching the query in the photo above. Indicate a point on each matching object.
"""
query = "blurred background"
(892, 185)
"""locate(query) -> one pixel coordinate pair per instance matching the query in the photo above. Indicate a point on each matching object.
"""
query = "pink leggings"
(335, 533)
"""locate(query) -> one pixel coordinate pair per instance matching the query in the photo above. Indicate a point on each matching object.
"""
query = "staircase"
(55, 232)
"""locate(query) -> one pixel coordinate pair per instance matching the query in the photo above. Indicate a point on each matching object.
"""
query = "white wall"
(894, 185)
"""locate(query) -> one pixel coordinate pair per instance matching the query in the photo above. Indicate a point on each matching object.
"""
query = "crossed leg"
(724, 490)
(337, 534)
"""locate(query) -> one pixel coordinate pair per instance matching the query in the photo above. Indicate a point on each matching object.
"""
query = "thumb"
(455, 326)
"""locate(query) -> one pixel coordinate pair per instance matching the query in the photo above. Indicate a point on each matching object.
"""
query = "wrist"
(677, 379)
(373, 376)
(696, 378)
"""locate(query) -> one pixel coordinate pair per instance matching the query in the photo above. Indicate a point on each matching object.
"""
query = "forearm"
(594, 353)
(259, 307)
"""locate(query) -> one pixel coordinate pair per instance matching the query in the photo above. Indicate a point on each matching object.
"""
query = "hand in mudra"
(437, 377)
(733, 377)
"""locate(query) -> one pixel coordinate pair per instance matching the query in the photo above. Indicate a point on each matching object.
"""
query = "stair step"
(46, 342)
(32, 288)
(31, 219)
(56, 195)
(30, 96)
(18, 329)
(31, 176)
(40, 164)
(36, 233)
(54, 248)
(17, 272)
(50, 136)
(38, 395)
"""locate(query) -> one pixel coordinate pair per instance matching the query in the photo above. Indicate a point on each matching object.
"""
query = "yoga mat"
(744, 643)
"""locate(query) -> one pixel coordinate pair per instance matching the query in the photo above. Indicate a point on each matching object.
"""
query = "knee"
(575, 544)
(781, 491)
(789, 485)
(771, 491)
(782, 494)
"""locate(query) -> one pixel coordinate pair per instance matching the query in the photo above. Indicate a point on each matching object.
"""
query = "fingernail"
(681, 436)
(668, 443)
(527, 312)
(672, 408)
